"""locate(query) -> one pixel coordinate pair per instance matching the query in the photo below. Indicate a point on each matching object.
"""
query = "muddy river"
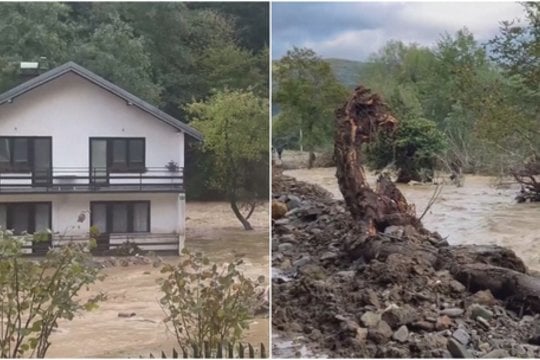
(481, 212)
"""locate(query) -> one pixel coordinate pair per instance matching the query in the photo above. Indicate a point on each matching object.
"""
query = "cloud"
(355, 30)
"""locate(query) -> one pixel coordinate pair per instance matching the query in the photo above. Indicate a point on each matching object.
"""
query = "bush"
(206, 304)
(412, 149)
(34, 295)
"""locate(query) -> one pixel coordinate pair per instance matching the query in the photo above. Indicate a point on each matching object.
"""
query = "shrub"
(206, 304)
(34, 295)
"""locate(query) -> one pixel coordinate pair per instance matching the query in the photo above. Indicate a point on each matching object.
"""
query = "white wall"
(71, 109)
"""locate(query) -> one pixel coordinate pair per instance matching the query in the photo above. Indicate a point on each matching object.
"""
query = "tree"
(235, 126)
(207, 304)
(35, 295)
(307, 93)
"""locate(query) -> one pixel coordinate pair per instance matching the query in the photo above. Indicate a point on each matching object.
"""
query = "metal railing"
(80, 179)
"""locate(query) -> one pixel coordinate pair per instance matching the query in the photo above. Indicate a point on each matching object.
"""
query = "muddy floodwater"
(480, 212)
(212, 229)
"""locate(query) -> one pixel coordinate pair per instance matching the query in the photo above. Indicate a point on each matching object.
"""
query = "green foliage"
(413, 148)
(207, 304)
(35, 295)
(168, 53)
(307, 93)
(235, 127)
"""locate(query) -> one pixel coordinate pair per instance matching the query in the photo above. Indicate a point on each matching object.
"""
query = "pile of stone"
(346, 304)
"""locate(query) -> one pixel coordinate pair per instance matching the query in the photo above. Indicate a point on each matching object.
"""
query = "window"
(25, 217)
(126, 154)
(24, 154)
(121, 216)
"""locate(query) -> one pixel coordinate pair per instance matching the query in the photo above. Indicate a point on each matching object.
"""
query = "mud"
(328, 300)
(212, 229)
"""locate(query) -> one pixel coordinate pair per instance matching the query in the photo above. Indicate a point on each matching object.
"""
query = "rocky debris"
(390, 295)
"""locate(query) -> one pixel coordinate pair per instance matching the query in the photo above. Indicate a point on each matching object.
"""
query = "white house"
(77, 151)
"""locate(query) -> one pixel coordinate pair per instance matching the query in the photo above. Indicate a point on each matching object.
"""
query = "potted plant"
(172, 166)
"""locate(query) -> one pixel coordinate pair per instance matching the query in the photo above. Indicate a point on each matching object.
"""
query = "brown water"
(477, 213)
(211, 229)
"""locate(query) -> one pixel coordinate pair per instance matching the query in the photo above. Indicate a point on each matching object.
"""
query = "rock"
(457, 286)
(347, 324)
(402, 334)
(443, 322)
(302, 261)
(452, 312)
(346, 274)
(483, 297)
(329, 255)
(293, 202)
(462, 336)
(396, 231)
(479, 310)
(126, 315)
(397, 316)
(496, 354)
(423, 325)
(370, 319)
(285, 247)
(381, 333)
(370, 297)
(279, 209)
(483, 322)
(361, 334)
(535, 339)
(457, 350)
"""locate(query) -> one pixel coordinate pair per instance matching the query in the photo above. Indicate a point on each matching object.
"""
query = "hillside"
(347, 71)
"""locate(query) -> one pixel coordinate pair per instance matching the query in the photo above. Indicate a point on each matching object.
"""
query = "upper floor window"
(19, 154)
(123, 154)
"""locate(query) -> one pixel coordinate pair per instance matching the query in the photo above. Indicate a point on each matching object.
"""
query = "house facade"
(80, 155)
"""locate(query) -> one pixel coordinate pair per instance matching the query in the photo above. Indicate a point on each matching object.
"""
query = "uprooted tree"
(477, 267)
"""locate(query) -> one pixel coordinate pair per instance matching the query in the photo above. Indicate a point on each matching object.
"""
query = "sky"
(355, 30)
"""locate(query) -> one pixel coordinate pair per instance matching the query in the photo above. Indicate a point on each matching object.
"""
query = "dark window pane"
(21, 217)
(119, 152)
(3, 216)
(136, 152)
(140, 217)
(5, 153)
(20, 151)
(119, 218)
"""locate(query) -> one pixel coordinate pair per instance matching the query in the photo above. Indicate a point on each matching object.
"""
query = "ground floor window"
(120, 216)
(25, 217)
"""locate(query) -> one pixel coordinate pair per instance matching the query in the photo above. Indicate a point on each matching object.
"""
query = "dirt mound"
(401, 293)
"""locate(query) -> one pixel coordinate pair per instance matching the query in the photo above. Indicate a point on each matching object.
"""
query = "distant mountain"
(347, 71)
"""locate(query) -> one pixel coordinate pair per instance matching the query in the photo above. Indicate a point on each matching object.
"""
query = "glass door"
(99, 173)
(42, 164)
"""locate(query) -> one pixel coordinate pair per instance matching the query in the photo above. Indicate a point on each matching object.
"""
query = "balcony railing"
(79, 179)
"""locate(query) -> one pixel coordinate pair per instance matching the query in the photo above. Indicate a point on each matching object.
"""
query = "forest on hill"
(173, 55)
(463, 104)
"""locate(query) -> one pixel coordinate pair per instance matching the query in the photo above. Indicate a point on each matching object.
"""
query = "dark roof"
(55, 73)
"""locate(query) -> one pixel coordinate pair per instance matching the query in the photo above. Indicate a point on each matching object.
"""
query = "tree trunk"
(477, 267)
(239, 216)
(363, 115)
(311, 159)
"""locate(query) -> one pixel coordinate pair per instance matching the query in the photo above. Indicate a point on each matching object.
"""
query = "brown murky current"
(481, 212)
(211, 229)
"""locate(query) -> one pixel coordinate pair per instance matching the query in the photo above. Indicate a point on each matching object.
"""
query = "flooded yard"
(212, 229)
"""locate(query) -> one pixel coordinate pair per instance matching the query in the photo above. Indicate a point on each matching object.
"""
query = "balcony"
(82, 180)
